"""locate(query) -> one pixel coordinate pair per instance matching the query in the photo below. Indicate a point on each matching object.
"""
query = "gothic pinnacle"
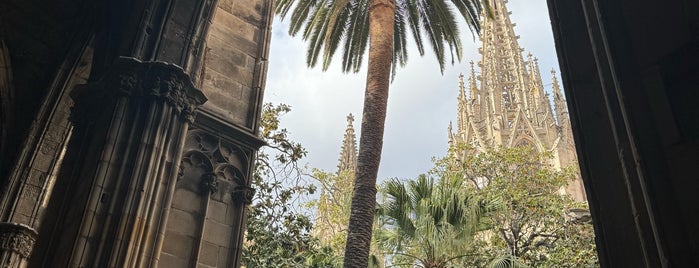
(462, 88)
(348, 153)
(473, 87)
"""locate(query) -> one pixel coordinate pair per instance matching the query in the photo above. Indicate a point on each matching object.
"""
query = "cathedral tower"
(506, 105)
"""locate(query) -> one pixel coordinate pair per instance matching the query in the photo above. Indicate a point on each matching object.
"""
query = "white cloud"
(421, 101)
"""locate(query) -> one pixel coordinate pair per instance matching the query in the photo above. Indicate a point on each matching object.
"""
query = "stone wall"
(206, 224)
(235, 60)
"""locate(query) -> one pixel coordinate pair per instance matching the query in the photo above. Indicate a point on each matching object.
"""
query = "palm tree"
(382, 24)
(430, 226)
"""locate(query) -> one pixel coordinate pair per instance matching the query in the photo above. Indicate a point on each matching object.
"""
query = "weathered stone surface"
(230, 69)
(245, 45)
(187, 201)
(178, 245)
(182, 222)
(230, 63)
(209, 254)
(250, 11)
(224, 255)
(27, 201)
(237, 25)
(229, 102)
(216, 46)
(217, 211)
(171, 261)
(217, 233)
(36, 177)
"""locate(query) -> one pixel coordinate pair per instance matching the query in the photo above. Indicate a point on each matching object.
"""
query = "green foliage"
(428, 224)
(333, 207)
(333, 212)
(534, 226)
(278, 234)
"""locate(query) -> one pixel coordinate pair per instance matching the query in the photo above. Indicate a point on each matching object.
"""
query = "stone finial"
(473, 87)
(462, 88)
(557, 95)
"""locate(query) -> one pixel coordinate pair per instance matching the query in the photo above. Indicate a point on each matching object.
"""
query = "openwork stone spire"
(348, 154)
(506, 103)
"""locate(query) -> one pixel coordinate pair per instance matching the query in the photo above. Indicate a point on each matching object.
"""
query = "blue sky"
(421, 102)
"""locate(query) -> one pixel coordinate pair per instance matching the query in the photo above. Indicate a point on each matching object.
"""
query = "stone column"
(130, 127)
(16, 244)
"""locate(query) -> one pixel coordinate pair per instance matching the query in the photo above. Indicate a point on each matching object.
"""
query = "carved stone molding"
(17, 238)
(132, 78)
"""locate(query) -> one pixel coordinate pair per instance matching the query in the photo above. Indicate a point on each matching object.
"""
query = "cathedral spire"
(348, 153)
(561, 109)
(503, 72)
(461, 105)
(507, 104)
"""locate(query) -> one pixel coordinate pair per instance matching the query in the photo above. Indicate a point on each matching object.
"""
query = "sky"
(422, 101)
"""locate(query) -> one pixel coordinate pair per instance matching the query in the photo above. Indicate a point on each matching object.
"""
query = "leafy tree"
(535, 226)
(333, 207)
(333, 211)
(430, 225)
(278, 235)
(384, 26)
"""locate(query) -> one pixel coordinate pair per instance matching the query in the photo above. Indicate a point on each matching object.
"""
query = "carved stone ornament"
(134, 78)
(208, 183)
(244, 194)
(17, 238)
(215, 166)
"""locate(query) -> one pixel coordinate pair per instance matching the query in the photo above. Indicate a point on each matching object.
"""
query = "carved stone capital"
(136, 79)
(17, 238)
(243, 194)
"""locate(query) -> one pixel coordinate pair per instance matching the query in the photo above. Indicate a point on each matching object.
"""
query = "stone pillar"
(130, 127)
(16, 244)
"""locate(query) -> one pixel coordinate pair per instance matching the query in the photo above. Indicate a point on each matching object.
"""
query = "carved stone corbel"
(243, 194)
(208, 184)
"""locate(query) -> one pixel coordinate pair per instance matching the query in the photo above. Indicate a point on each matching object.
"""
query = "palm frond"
(357, 37)
(299, 16)
(330, 24)
(339, 14)
(506, 261)
(314, 35)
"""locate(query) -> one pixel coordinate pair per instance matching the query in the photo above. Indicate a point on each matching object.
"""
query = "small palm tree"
(383, 25)
(430, 225)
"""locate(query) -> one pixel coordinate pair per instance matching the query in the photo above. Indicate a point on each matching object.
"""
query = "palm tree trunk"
(381, 14)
